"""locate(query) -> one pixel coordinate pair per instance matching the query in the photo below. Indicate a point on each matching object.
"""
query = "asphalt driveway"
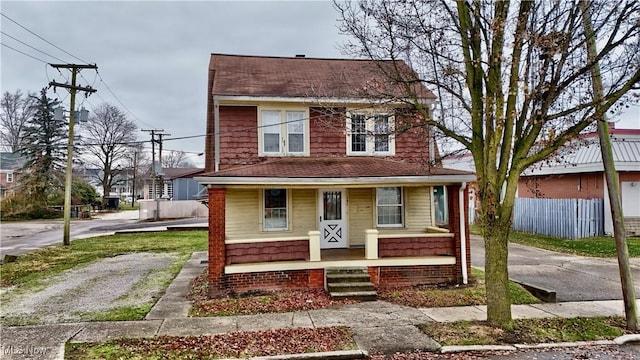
(573, 278)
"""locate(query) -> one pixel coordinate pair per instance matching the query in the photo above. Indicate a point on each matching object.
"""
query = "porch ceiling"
(334, 171)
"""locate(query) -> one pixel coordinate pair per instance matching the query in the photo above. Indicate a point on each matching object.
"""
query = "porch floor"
(342, 254)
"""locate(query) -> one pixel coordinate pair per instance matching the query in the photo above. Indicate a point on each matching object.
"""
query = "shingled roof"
(265, 76)
(334, 168)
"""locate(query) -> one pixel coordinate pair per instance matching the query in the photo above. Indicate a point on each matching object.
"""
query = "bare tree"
(107, 138)
(513, 81)
(176, 159)
(15, 110)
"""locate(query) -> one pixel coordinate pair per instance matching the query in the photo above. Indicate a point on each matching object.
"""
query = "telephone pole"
(160, 161)
(73, 88)
(154, 194)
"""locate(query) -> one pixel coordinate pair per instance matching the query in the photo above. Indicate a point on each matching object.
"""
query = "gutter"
(463, 234)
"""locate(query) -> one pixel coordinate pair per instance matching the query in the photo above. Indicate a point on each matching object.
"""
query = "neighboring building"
(305, 173)
(10, 165)
(177, 184)
(578, 173)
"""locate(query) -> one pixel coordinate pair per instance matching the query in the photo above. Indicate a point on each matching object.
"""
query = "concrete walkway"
(378, 326)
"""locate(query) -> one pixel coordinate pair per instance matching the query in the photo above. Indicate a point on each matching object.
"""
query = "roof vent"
(300, 55)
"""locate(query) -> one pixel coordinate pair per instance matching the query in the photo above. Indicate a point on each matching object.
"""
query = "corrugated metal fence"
(563, 218)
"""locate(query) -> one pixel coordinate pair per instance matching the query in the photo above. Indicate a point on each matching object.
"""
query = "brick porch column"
(216, 242)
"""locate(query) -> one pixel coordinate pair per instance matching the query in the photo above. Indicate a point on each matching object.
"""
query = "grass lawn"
(601, 246)
(30, 268)
(526, 331)
(444, 296)
(231, 345)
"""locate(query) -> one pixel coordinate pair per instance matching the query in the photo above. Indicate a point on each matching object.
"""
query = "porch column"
(314, 245)
(371, 244)
(216, 241)
(455, 209)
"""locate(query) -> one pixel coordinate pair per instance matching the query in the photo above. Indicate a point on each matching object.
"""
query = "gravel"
(82, 293)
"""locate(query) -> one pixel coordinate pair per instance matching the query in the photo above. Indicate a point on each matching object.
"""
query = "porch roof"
(334, 171)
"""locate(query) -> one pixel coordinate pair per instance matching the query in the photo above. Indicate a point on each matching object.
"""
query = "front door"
(333, 230)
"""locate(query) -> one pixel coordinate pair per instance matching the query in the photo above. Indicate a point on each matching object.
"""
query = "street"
(20, 237)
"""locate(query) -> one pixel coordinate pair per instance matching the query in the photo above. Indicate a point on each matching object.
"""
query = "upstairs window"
(370, 134)
(283, 132)
(10, 177)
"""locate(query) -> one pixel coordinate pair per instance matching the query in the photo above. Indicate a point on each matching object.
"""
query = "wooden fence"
(563, 218)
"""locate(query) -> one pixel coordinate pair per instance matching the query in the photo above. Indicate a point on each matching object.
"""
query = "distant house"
(175, 184)
(10, 165)
(579, 174)
(305, 173)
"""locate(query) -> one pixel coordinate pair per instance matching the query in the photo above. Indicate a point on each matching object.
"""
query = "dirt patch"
(84, 293)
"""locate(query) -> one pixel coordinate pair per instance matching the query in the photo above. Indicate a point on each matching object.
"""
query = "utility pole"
(611, 177)
(153, 132)
(135, 170)
(160, 161)
(73, 88)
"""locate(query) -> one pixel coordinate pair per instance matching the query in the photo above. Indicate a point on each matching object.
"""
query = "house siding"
(327, 132)
(416, 246)
(244, 214)
(267, 251)
(238, 135)
(361, 203)
(412, 144)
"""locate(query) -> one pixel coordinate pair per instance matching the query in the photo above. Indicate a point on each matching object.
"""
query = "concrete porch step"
(357, 295)
(350, 287)
(351, 283)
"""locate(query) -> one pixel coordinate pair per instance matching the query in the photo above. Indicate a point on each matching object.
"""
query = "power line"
(32, 47)
(43, 39)
(23, 53)
(118, 99)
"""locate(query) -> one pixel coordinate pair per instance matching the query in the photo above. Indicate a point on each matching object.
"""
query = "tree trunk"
(497, 274)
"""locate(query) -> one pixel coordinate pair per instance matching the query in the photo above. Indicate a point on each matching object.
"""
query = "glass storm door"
(333, 232)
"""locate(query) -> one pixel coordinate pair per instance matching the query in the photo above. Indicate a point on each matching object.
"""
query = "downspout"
(463, 234)
(216, 135)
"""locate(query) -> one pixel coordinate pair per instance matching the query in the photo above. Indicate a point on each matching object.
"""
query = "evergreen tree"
(44, 148)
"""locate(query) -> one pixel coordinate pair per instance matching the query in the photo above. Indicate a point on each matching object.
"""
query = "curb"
(332, 355)
(515, 347)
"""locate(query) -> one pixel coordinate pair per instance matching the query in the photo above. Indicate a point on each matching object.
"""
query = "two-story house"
(10, 171)
(320, 163)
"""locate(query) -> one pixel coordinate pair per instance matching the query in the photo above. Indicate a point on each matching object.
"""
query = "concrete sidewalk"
(378, 326)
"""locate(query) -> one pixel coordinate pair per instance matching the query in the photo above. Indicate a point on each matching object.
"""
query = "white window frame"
(370, 147)
(402, 208)
(263, 208)
(9, 177)
(445, 206)
(283, 132)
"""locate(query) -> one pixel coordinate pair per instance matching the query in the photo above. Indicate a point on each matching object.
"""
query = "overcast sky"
(154, 55)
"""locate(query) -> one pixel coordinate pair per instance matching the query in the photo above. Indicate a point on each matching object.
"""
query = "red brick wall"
(567, 186)
(327, 129)
(238, 135)
(417, 275)
(274, 280)
(267, 251)
(216, 241)
(416, 246)
(454, 227)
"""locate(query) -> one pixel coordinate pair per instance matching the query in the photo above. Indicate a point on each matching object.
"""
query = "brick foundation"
(416, 275)
(275, 280)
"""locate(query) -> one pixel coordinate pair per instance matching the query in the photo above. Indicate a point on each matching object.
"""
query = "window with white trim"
(283, 132)
(10, 177)
(440, 205)
(370, 134)
(389, 207)
(275, 212)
